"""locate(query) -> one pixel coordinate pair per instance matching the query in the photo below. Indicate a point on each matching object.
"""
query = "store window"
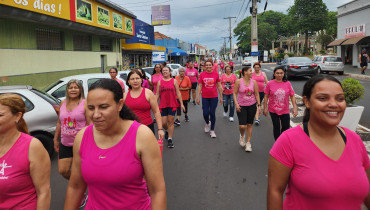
(106, 45)
(48, 39)
(81, 42)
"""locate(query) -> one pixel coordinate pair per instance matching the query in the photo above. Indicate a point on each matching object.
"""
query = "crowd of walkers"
(108, 141)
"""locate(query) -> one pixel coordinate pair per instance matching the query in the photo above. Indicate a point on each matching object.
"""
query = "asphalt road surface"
(205, 173)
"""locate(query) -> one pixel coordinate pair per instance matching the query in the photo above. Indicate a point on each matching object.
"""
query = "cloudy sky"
(202, 21)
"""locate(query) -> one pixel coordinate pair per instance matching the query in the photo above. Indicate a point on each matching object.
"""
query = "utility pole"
(225, 45)
(254, 35)
(230, 31)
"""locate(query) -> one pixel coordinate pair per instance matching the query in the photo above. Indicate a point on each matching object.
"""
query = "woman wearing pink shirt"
(113, 75)
(277, 94)
(112, 155)
(222, 65)
(231, 64)
(192, 73)
(261, 79)
(321, 165)
(156, 76)
(24, 162)
(228, 80)
(208, 83)
(215, 65)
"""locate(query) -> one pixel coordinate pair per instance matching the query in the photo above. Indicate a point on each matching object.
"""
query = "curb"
(358, 76)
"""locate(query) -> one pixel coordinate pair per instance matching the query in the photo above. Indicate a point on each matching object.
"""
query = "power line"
(209, 5)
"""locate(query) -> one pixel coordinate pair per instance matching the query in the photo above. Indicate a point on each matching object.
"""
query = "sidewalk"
(355, 72)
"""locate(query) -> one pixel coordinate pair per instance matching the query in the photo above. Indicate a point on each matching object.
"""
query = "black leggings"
(185, 102)
(285, 123)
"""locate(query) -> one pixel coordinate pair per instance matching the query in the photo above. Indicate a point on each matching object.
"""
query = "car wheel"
(340, 73)
(319, 70)
(47, 141)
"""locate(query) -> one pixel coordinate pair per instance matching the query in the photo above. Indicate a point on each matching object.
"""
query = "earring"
(16, 121)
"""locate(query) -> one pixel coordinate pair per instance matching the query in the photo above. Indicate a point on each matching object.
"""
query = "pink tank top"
(167, 94)
(140, 106)
(260, 81)
(71, 122)
(114, 176)
(155, 79)
(16, 187)
(246, 95)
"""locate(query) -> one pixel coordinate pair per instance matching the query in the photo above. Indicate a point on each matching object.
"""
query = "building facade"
(353, 31)
(41, 43)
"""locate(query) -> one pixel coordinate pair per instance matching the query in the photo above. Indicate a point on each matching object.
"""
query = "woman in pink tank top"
(156, 77)
(261, 79)
(111, 155)
(247, 103)
(72, 118)
(24, 162)
(168, 89)
(141, 100)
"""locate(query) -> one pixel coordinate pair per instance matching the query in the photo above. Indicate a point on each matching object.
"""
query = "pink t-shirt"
(155, 79)
(114, 176)
(17, 190)
(121, 83)
(260, 81)
(192, 74)
(279, 93)
(231, 64)
(215, 67)
(71, 122)
(228, 83)
(317, 181)
(209, 84)
(145, 84)
(195, 64)
(222, 65)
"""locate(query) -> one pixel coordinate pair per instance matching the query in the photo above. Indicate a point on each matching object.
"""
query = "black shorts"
(151, 126)
(363, 64)
(194, 85)
(246, 114)
(65, 152)
(168, 111)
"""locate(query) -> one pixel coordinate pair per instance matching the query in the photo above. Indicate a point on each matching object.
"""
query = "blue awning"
(177, 52)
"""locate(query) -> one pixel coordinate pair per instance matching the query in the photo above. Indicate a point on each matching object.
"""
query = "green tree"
(324, 39)
(331, 28)
(309, 16)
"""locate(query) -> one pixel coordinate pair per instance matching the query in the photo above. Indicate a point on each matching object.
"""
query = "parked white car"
(58, 89)
(174, 68)
(123, 75)
(247, 61)
(329, 63)
(41, 113)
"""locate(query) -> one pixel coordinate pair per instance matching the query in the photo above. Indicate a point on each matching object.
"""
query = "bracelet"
(258, 104)
(161, 129)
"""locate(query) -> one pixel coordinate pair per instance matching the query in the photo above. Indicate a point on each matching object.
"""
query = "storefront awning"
(336, 42)
(353, 40)
(177, 52)
(142, 47)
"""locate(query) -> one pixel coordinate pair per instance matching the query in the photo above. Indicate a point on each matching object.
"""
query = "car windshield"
(333, 59)
(175, 66)
(49, 87)
(300, 60)
(46, 97)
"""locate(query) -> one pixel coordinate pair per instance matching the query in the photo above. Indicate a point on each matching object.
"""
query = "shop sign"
(161, 15)
(159, 56)
(82, 11)
(355, 31)
(144, 33)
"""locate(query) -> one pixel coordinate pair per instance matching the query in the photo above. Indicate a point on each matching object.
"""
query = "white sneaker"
(213, 135)
(225, 114)
(231, 119)
(206, 128)
(248, 147)
(242, 141)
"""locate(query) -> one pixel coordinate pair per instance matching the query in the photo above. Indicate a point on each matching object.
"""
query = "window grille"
(49, 39)
(106, 44)
(82, 43)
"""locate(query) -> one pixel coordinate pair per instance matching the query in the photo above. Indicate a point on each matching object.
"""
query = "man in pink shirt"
(192, 73)
(113, 74)
(222, 65)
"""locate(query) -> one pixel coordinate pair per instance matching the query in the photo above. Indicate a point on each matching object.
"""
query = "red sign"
(254, 43)
(355, 31)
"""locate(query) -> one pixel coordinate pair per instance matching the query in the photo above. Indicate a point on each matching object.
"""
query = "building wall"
(22, 63)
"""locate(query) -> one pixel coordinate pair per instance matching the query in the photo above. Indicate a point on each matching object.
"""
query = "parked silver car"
(58, 89)
(329, 63)
(41, 113)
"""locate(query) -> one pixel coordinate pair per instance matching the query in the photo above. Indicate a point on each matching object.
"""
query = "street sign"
(255, 53)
